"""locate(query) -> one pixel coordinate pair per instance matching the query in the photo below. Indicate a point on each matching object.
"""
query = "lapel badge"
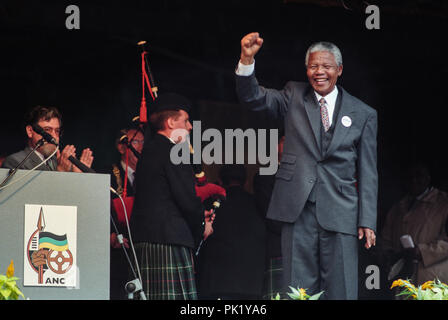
(346, 121)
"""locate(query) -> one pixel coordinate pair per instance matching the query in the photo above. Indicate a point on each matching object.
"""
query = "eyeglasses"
(57, 131)
(137, 142)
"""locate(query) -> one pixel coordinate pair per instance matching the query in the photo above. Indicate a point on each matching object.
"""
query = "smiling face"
(323, 72)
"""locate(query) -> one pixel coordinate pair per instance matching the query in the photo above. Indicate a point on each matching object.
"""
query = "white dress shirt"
(131, 171)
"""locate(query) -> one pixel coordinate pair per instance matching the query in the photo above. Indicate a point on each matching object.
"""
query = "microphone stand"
(135, 285)
(12, 172)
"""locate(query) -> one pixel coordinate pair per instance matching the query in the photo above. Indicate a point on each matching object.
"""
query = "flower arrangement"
(430, 290)
(299, 294)
(8, 285)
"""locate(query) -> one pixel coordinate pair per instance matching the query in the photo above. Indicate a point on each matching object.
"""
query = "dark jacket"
(263, 186)
(14, 159)
(166, 208)
(232, 260)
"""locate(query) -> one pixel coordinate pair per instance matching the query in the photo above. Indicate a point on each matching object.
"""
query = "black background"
(93, 75)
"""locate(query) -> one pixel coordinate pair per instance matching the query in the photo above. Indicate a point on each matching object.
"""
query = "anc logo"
(48, 251)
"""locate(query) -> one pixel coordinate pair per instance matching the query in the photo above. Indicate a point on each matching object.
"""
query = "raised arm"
(249, 92)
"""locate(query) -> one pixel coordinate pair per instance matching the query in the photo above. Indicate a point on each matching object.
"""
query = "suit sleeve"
(10, 163)
(368, 174)
(434, 252)
(258, 98)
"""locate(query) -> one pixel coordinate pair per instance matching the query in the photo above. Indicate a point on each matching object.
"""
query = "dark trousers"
(319, 260)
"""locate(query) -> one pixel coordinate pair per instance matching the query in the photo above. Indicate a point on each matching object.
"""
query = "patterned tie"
(324, 114)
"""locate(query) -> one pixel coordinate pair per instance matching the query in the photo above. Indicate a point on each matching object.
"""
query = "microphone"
(81, 165)
(216, 204)
(47, 137)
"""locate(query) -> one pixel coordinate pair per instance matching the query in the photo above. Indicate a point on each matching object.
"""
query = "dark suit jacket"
(166, 208)
(232, 260)
(344, 178)
(263, 186)
(14, 159)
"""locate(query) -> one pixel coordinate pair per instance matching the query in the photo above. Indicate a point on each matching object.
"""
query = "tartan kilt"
(167, 271)
(273, 279)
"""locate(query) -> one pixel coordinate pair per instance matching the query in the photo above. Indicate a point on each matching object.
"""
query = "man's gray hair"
(325, 46)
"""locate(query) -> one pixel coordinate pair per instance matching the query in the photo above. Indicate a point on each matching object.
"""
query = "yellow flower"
(427, 285)
(410, 286)
(397, 283)
(10, 270)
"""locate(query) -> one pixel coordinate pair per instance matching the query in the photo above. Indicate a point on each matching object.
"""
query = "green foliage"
(430, 290)
(8, 285)
(299, 294)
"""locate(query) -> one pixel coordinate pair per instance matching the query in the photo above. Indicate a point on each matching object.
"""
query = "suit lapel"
(313, 113)
(33, 161)
(340, 130)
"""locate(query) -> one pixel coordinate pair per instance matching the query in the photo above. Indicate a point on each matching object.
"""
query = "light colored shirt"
(49, 162)
(131, 171)
(40, 155)
(245, 69)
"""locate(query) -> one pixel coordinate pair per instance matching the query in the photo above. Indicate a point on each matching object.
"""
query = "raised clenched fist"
(250, 44)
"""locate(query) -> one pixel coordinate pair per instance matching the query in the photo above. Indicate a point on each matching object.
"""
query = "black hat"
(170, 101)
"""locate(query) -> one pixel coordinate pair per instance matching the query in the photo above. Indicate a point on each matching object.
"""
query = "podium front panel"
(87, 197)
